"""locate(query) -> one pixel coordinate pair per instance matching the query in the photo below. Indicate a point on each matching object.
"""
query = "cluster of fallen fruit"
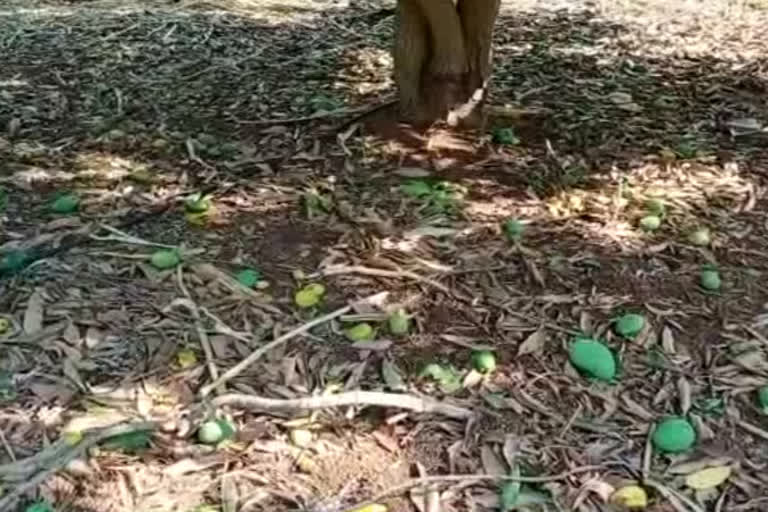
(673, 434)
(590, 357)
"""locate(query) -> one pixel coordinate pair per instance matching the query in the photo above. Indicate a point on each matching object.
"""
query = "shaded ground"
(136, 107)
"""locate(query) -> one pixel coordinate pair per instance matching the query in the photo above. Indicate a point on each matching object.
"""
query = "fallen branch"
(202, 335)
(394, 400)
(34, 470)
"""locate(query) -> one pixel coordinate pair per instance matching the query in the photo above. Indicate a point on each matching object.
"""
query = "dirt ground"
(615, 107)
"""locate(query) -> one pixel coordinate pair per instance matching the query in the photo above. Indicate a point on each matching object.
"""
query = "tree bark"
(442, 59)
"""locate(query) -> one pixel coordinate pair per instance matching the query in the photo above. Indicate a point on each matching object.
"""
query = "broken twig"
(394, 400)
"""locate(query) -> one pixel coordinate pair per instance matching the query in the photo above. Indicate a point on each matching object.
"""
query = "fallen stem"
(202, 335)
(394, 400)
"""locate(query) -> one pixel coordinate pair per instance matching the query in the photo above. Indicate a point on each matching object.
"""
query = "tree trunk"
(442, 59)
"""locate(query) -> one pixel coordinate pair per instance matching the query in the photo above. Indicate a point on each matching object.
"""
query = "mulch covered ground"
(134, 108)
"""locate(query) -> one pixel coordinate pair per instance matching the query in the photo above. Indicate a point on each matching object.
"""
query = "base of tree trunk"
(448, 99)
(442, 56)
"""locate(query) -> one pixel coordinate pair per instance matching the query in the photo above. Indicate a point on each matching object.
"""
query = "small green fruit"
(593, 358)
(513, 229)
(14, 260)
(762, 398)
(66, 204)
(505, 136)
(655, 207)
(215, 431)
(360, 332)
(163, 260)
(305, 299)
(673, 435)
(315, 289)
(700, 237)
(399, 323)
(248, 277)
(197, 205)
(309, 296)
(630, 325)
(210, 432)
(40, 506)
(710, 280)
(484, 361)
(650, 222)
(510, 493)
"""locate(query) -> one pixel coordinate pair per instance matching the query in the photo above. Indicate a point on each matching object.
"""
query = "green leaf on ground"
(165, 259)
(39, 506)
(132, 442)
(66, 203)
(416, 188)
(446, 376)
(505, 136)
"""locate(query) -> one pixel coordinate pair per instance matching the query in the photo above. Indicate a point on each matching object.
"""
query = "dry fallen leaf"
(631, 497)
(411, 172)
(708, 478)
(472, 379)
(667, 341)
(33, 316)
(533, 344)
(229, 494)
(492, 464)
(692, 466)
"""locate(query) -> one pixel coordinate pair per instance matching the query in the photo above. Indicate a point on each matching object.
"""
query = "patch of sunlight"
(38, 175)
(368, 69)
(495, 209)
(584, 50)
(690, 190)
(107, 405)
(106, 166)
(14, 83)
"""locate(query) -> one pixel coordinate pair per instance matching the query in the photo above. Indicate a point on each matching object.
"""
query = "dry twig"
(363, 398)
(201, 334)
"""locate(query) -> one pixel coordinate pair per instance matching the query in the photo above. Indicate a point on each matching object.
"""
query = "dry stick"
(395, 400)
(428, 480)
(245, 363)
(122, 236)
(59, 455)
(201, 334)
(752, 429)
(303, 119)
(379, 272)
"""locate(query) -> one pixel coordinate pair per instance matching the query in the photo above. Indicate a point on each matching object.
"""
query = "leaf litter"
(129, 114)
